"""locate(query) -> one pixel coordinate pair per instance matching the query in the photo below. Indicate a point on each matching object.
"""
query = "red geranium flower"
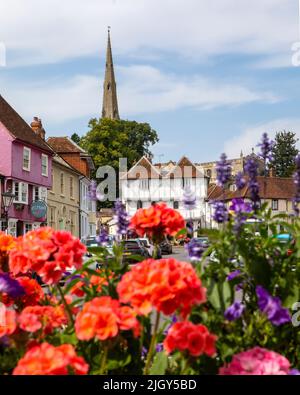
(33, 293)
(48, 252)
(46, 359)
(8, 322)
(157, 221)
(7, 242)
(188, 336)
(165, 284)
(47, 318)
(103, 317)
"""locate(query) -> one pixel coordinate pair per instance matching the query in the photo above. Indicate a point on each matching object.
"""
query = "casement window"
(52, 217)
(44, 165)
(20, 189)
(28, 227)
(12, 227)
(39, 193)
(71, 187)
(62, 183)
(26, 158)
(186, 182)
(176, 205)
(275, 204)
(144, 184)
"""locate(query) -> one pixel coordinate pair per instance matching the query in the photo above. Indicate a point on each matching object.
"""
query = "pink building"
(26, 165)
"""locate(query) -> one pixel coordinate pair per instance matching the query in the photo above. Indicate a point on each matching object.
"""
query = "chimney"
(37, 127)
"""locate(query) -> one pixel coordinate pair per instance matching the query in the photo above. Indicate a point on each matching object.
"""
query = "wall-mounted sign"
(38, 209)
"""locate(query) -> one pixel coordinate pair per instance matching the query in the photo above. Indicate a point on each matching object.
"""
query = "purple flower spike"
(102, 238)
(271, 306)
(240, 181)
(233, 275)
(10, 286)
(194, 249)
(251, 168)
(266, 147)
(220, 212)
(159, 347)
(223, 170)
(121, 217)
(239, 208)
(234, 311)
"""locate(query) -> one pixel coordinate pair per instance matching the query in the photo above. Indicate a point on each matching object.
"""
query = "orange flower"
(47, 318)
(103, 317)
(48, 252)
(8, 320)
(7, 242)
(165, 284)
(157, 221)
(188, 336)
(46, 359)
(89, 281)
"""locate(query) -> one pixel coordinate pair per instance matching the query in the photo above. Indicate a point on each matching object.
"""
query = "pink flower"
(257, 361)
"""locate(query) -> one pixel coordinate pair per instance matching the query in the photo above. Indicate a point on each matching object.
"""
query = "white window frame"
(275, 204)
(44, 156)
(71, 187)
(62, 185)
(41, 194)
(28, 150)
(30, 224)
(19, 197)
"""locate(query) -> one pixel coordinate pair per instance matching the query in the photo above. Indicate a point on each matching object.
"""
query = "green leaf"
(160, 364)
(118, 362)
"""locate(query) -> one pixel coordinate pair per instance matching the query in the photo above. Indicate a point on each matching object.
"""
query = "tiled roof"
(214, 192)
(269, 188)
(64, 145)
(18, 128)
(58, 159)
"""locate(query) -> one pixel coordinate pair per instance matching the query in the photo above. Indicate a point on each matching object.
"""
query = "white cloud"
(251, 136)
(142, 90)
(49, 31)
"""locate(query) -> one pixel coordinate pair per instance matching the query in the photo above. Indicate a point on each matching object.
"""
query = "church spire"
(110, 100)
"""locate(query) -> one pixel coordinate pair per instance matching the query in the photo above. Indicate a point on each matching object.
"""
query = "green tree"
(108, 140)
(284, 153)
(75, 137)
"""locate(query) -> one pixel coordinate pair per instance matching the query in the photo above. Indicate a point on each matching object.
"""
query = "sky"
(209, 76)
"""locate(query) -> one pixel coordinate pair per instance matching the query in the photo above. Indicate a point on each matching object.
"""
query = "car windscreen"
(131, 245)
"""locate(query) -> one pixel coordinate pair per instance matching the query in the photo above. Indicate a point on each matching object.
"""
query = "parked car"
(90, 243)
(133, 247)
(203, 240)
(166, 247)
(150, 247)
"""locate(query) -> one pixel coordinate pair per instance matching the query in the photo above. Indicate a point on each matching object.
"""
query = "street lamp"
(7, 199)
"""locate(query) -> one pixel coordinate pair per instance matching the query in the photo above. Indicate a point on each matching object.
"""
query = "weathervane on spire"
(108, 29)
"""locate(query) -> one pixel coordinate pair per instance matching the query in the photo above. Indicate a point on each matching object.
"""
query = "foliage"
(284, 153)
(108, 140)
(76, 138)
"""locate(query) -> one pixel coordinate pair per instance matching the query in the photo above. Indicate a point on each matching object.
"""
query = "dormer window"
(26, 158)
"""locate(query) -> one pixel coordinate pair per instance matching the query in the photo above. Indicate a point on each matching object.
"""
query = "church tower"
(110, 100)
